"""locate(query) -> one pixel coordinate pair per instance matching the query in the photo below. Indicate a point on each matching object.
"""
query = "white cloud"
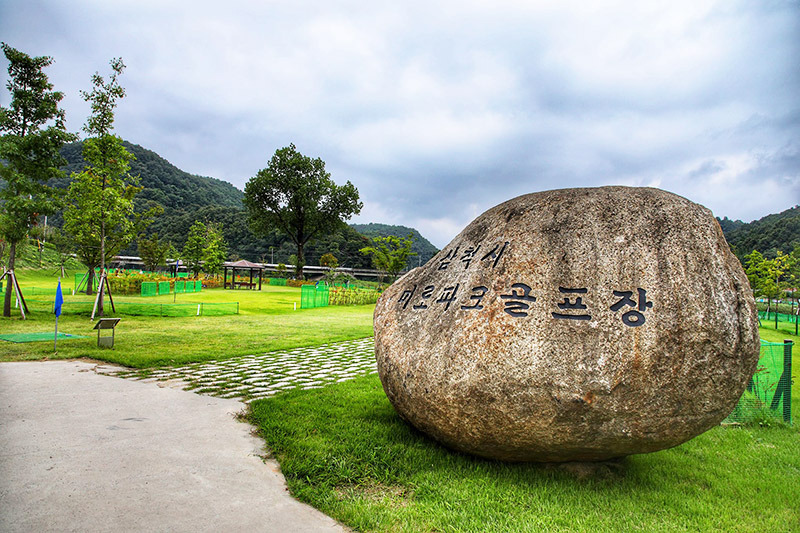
(439, 110)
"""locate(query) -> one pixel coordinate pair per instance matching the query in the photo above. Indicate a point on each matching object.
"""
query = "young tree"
(29, 151)
(100, 214)
(754, 268)
(390, 253)
(63, 247)
(193, 249)
(329, 261)
(205, 248)
(296, 195)
(153, 252)
(215, 251)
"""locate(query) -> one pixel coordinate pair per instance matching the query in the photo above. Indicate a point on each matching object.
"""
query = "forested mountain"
(422, 246)
(769, 234)
(163, 182)
(186, 198)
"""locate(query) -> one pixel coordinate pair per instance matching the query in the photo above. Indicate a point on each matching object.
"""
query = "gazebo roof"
(244, 264)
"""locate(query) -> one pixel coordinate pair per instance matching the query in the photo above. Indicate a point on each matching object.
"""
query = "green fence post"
(787, 381)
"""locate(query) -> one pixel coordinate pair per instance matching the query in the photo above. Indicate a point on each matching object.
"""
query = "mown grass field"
(266, 322)
(344, 450)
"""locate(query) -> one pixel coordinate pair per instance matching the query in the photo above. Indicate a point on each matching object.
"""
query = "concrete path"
(81, 451)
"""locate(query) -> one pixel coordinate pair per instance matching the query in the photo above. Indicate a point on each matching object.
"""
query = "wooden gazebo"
(240, 267)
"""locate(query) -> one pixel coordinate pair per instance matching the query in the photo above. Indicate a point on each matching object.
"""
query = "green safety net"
(311, 296)
(769, 392)
(785, 322)
(163, 287)
(149, 288)
(180, 287)
(280, 282)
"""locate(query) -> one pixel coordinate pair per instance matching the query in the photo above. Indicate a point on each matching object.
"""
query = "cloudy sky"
(439, 110)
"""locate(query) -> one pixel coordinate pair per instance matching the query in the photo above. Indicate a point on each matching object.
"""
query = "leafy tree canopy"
(297, 196)
(29, 150)
(100, 214)
(154, 252)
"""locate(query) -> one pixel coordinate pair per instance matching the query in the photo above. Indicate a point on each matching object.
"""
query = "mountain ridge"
(768, 234)
(188, 197)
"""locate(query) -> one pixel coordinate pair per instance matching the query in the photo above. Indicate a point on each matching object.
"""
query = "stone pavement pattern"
(260, 376)
(81, 451)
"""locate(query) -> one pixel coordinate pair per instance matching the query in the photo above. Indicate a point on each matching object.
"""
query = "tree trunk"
(102, 259)
(298, 268)
(90, 281)
(12, 253)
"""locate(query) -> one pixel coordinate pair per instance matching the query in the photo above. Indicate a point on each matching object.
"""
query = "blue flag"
(59, 300)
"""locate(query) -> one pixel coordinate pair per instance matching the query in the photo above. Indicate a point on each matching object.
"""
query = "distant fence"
(141, 309)
(779, 321)
(769, 392)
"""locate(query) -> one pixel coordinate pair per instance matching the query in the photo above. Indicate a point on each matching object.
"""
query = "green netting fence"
(149, 288)
(311, 296)
(180, 287)
(779, 321)
(163, 287)
(37, 291)
(769, 392)
(281, 282)
(141, 309)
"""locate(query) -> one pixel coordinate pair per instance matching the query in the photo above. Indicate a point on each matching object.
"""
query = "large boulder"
(571, 325)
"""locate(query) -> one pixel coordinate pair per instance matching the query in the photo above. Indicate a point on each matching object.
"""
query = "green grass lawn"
(344, 450)
(266, 321)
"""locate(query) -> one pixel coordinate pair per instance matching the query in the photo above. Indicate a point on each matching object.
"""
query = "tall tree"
(34, 131)
(297, 196)
(100, 213)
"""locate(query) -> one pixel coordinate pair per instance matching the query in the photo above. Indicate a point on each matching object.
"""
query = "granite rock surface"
(571, 325)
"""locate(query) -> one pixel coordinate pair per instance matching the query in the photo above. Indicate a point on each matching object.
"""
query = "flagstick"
(55, 338)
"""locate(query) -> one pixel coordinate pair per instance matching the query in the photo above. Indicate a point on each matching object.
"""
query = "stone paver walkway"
(258, 376)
